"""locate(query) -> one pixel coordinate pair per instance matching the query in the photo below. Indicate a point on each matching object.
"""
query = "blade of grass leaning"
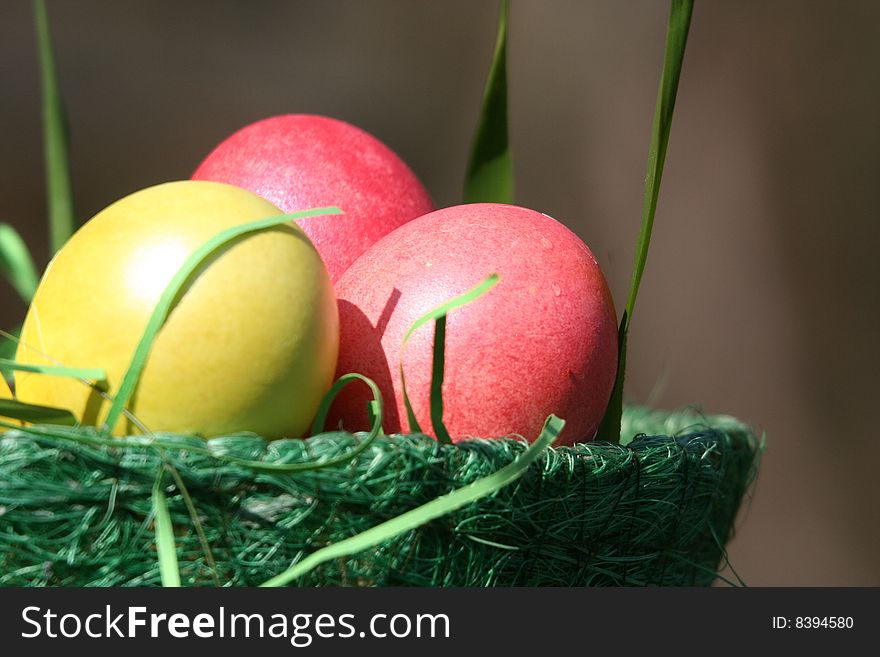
(489, 176)
(172, 291)
(9, 345)
(196, 522)
(59, 195)
(433, 315)
(95, 375)
(166, 550)
(437, 375)
(427, 512)
(17, 410)
(17, 264)
(676, 40)
(377, 406)
(609, 427)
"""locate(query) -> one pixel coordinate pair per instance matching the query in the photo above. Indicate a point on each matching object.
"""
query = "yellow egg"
(251, 344)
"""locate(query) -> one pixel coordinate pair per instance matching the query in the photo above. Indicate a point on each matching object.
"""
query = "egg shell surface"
(302, 161)
(543, 340)
(250, 345)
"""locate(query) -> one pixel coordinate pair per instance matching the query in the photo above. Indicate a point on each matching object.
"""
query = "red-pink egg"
(301, 161)
(543, 340)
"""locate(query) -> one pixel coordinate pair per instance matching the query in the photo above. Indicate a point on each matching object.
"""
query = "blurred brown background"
(759, 299)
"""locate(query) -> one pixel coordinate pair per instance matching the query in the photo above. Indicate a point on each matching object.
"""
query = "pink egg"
(301, 161)
(543, 340)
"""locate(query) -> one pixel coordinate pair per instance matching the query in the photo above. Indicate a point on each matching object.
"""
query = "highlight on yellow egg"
(250, 343)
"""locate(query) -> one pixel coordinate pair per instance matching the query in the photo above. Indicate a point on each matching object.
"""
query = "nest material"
(657, 511)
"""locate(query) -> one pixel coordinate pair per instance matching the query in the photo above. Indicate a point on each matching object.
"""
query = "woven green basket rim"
(694, 440)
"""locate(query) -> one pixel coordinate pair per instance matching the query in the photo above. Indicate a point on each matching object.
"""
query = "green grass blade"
(377, 405)
(609, 428)
(16, 263)
(59, 196)
(432, 316)
(172, 291)
(489, 175)
(34, 413)
(676, 40)
(166, 550)
(8, 346)
(427, 512)
(437, 375)
(197, 525)
(91, 374)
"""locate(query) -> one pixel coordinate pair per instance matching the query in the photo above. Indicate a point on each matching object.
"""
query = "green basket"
(656, 511)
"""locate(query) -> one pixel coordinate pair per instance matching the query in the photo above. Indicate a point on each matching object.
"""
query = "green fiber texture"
(656, 510)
